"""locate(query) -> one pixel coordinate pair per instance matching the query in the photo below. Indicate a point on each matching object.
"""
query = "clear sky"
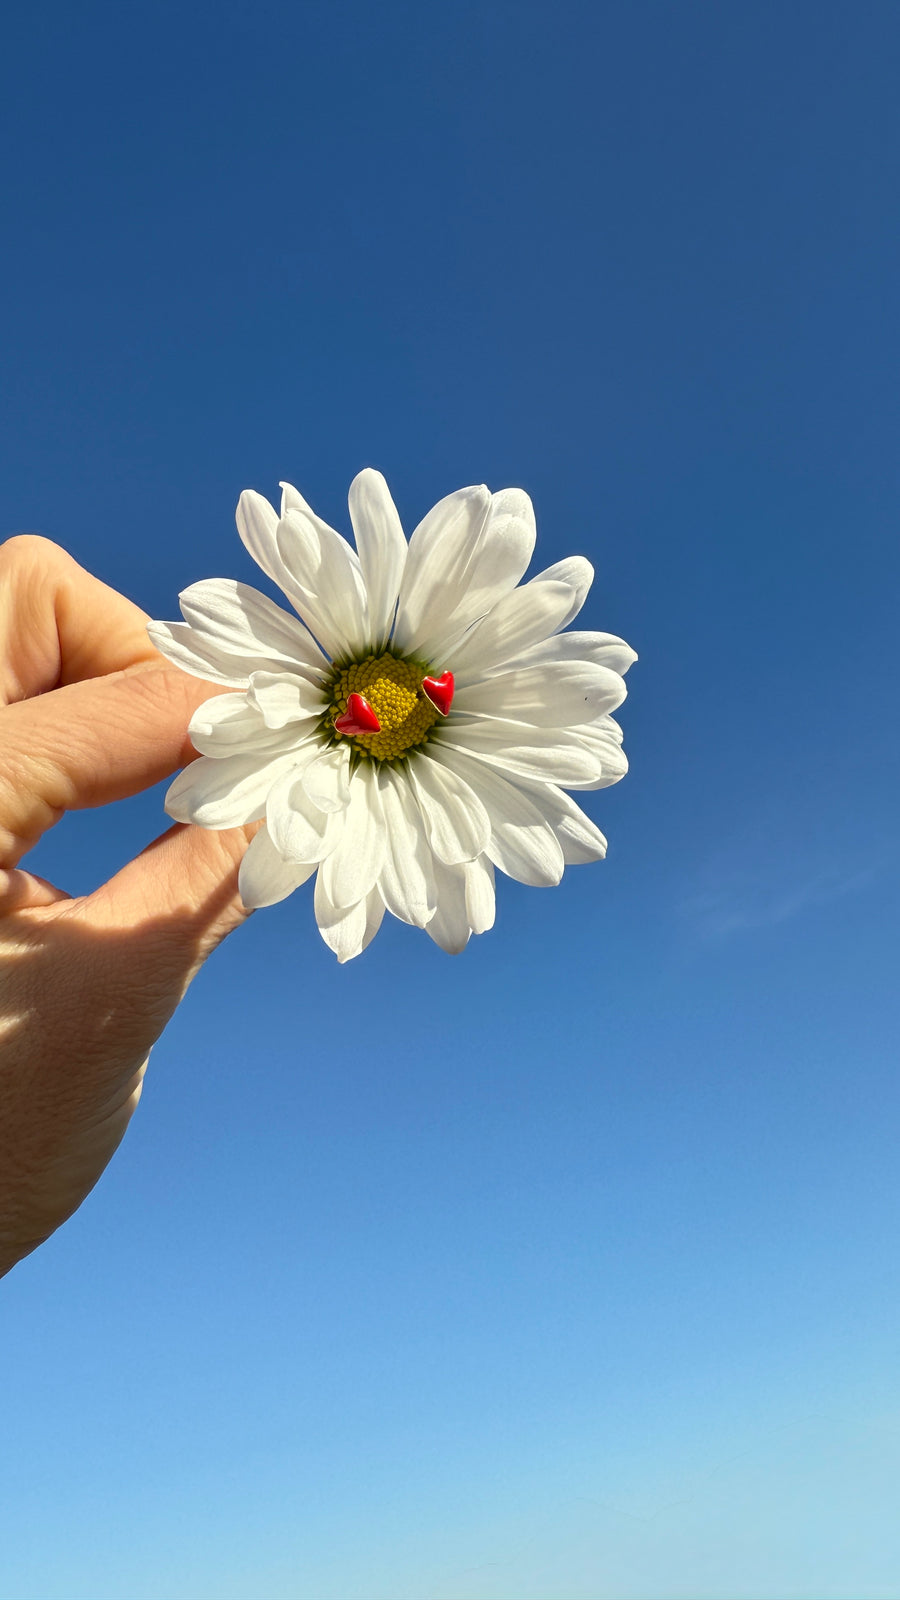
(566, 1269)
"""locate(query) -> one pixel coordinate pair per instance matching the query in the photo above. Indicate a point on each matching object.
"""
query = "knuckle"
(25, 551)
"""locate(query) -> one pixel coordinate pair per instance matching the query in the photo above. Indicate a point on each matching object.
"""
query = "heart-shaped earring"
(358, 717)
(440, 691)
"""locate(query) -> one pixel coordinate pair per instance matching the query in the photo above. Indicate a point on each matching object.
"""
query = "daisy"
(414, 726)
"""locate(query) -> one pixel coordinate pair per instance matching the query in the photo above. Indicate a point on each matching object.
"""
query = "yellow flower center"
(393, 689)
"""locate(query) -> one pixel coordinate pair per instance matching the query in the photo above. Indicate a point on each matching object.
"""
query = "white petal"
(230, 725)
(513, 525)
(264, 878)
(282, 698)
(601, 730)
(501, 556)
(382, 550)
(497, 565)
(352, 868)
(554, 755)
(246, 623)
(299, 830)
(327, 579)
(522, 842)
(449, 927)
(257, 524)
(606, 649)
(579, 837)
(440, 551)
(517, 621)
(480, 899)
(199, 655)
(225, 793)
(291, 499)
(327, 779)
(470, 573)
(455, 820)
(578, 574)
(407, 877)
(559, 694)
(230, 631)
(347, 929)
(603, 740)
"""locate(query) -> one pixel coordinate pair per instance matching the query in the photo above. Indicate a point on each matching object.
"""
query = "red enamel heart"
(358, 717)
(440, 692)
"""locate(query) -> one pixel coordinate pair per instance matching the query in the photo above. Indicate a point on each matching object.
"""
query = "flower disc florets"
(393, 688)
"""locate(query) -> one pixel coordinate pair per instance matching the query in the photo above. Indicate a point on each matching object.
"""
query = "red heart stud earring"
(358, 717)
(440, 691)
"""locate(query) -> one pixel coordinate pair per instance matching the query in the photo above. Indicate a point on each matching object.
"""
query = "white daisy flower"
(414, 726)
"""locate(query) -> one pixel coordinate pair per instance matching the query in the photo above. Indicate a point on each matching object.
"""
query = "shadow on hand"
(82, 1001)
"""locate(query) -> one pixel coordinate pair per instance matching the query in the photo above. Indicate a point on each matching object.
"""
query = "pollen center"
(393, 689)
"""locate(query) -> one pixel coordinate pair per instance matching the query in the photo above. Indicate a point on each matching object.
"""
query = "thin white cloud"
(736, 902)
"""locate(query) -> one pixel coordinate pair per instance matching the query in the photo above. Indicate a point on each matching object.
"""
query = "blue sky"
(566, 1269)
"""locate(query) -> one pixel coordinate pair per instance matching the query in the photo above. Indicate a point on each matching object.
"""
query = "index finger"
(59, 624)
(91, 743)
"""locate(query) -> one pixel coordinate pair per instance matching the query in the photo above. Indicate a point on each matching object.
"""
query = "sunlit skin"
(89, 713)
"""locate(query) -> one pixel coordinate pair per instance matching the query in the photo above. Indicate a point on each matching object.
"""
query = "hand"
(89, 713)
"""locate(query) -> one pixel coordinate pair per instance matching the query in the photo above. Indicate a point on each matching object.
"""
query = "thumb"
(172, 905)
(113, 967)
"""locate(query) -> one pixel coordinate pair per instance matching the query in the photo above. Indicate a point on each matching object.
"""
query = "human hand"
(89, 713)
